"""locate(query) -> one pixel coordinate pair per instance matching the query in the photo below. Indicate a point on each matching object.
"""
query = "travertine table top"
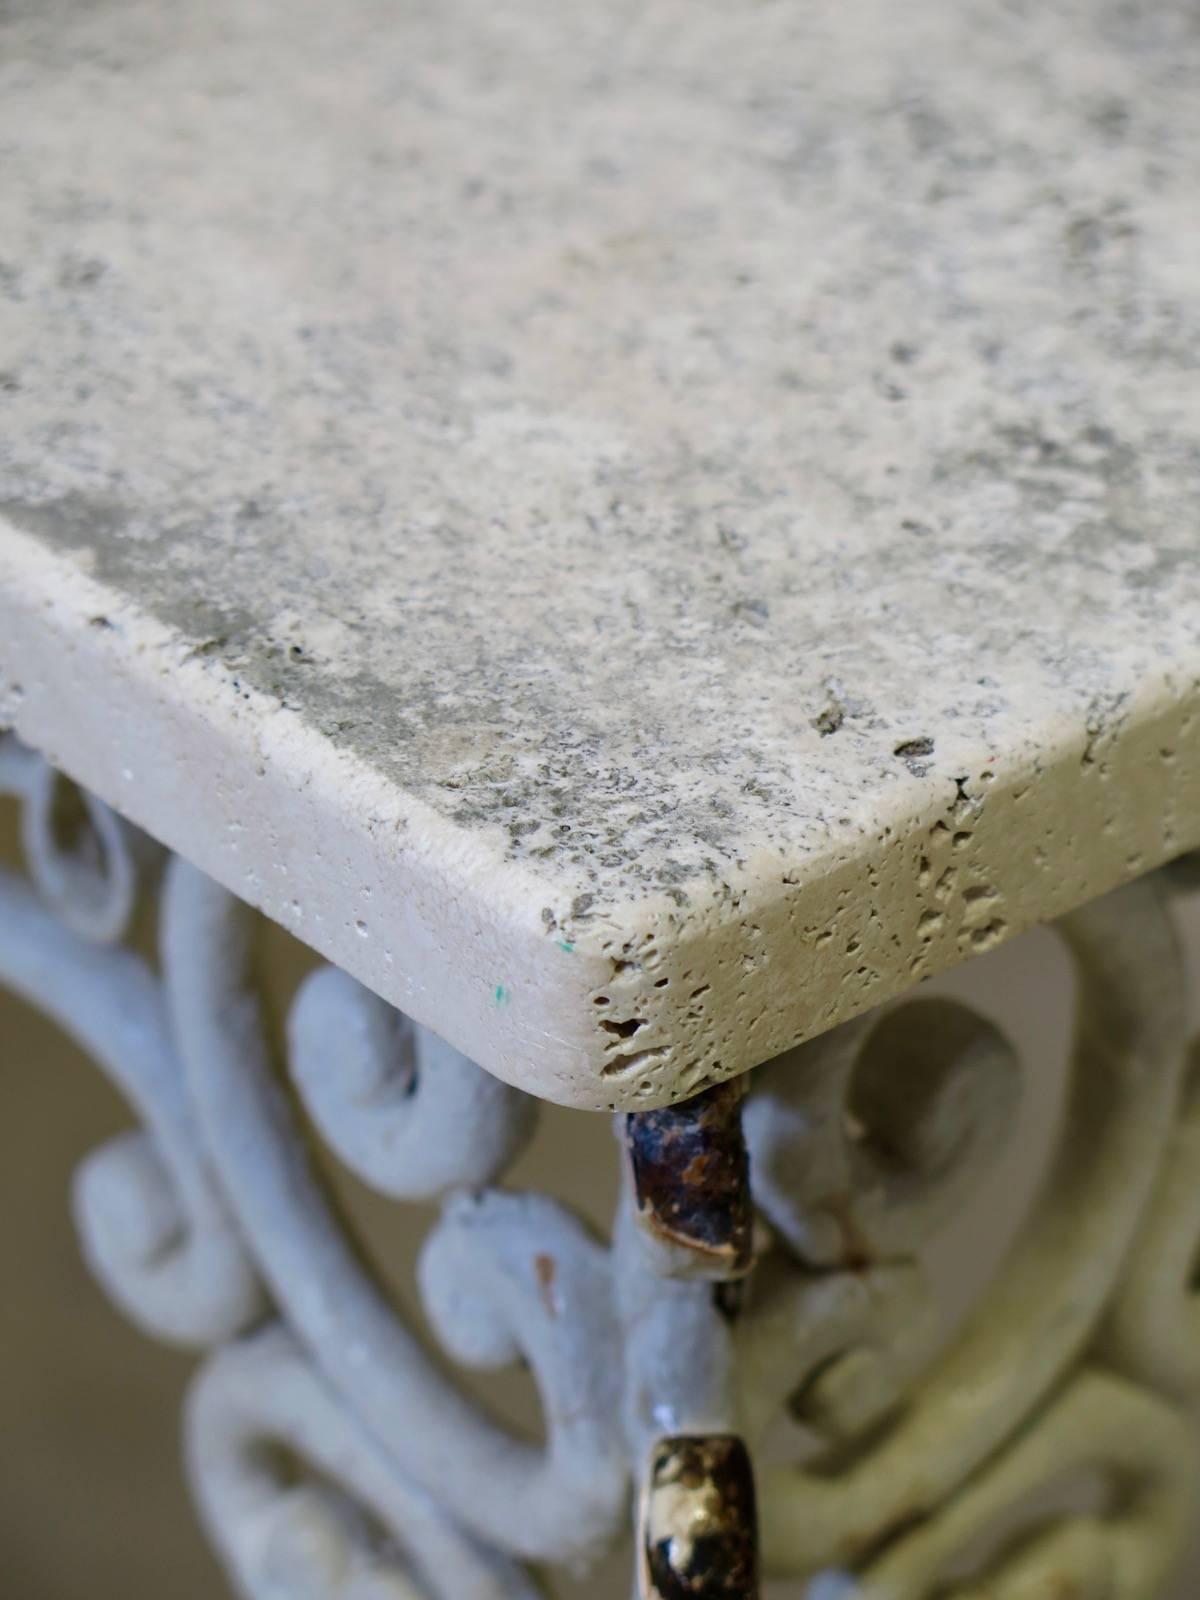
(642, 528)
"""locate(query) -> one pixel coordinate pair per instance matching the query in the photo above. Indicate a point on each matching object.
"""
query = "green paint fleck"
(565, 944)
(502, 995)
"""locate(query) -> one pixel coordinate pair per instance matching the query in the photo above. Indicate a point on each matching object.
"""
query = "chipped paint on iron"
(698, 1531)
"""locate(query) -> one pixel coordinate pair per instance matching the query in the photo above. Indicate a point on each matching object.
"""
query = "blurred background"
(92, 1500)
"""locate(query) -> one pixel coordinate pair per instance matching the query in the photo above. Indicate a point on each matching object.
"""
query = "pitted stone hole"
(907, 749)
(661, 983)
(703, 989)
(625, 1029)
(601, 1000)
(635, 1061)
(993, 933)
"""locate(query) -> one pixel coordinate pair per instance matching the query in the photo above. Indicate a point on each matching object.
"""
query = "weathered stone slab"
(640, 530)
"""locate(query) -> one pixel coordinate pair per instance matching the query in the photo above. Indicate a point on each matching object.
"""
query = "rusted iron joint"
(690, 1174)
(698, 1538)
(691, 1180)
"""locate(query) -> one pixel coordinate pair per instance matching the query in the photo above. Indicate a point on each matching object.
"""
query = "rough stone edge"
(439, 924)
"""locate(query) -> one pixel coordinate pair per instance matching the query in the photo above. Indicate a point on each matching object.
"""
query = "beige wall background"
(92, 1502)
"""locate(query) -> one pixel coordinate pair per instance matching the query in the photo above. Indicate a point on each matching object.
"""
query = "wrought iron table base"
(764, 1258)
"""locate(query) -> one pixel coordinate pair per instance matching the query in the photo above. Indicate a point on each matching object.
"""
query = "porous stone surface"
(639, 529)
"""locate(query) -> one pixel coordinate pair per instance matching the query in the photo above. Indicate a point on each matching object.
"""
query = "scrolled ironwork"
(765, 1260)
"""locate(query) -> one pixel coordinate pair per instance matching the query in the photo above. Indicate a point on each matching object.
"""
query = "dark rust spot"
(698, 1538)
(546, 1271)
(691, 1177)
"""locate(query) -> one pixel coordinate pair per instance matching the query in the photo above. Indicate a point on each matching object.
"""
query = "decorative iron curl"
(563, 1502)
(154, 1228)
(335, 1459)
(305, 1503)
(1035, 1321)
(404, 1110)
(86, 861)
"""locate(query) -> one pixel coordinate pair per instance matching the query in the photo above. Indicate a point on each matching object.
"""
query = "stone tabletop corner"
(637, 553)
